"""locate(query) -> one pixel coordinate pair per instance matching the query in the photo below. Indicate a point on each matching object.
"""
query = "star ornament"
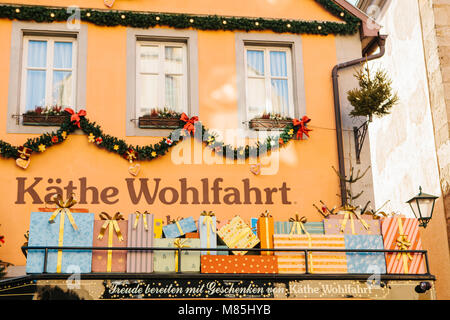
(64, 135)
(91, 137)
(41, 148)
(153, 154)
(116, 147)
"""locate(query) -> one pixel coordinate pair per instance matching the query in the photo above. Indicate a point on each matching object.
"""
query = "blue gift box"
(202, 226)
(173, 230)
(44, 233)
(254, 225)
(285, 227)
(367, 262)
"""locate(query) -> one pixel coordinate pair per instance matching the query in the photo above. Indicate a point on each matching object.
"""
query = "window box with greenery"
(269, 122)
(48, 116)
(160, 119)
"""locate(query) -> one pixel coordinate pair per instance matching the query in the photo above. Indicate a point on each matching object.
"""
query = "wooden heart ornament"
(23, 163)
(255, 169)
(134, 169)
(109, 3)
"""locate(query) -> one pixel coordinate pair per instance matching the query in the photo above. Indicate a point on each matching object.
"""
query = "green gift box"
(167, 261)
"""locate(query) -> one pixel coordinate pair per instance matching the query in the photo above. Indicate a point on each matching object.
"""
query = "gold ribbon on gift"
(297, 227)
(112, 225)
(179, 243)
(349, 212)
(403, 244)
(144, 218)
(178, 225)
(63, 210)
(208, 220)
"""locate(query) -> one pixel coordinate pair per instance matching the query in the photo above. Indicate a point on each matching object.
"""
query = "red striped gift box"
(318, 262)
(395, 230)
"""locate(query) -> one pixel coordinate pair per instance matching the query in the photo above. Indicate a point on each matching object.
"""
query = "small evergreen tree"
(374, 95)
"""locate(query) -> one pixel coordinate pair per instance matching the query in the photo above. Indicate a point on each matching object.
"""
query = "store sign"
(149, 191)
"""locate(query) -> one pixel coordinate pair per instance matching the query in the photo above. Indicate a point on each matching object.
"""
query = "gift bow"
(110, 222)
(144, 218)
(298, 226)
(63, 210)
(76, 116)
(189, 126)
(348, 213)
(179, 243)
(302, 129)
(266, 214)
(403, 244)
(208, 221)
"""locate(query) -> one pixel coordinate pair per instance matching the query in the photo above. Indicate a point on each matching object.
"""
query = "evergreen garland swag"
(183, 21)
(187, 127)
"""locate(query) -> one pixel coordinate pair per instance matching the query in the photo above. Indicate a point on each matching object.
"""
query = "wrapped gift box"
(318, 262)
(44, 233)
(110, 260)
(239, 264)
(166, 261)
(180, 228)
(140, 234)
(265, 232)
(285, 227)
(397, 231)
(367, 262)
(193, 235)
(157, 228)
(333, 226)
(208, 233)
(254, 225)
(236, 234)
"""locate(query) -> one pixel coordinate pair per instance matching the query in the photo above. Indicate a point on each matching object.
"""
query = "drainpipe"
(380, 40)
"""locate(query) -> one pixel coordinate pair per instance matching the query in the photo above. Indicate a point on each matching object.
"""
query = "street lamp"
(422, 206)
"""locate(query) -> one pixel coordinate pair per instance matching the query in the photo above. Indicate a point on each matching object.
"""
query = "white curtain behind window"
(62, 79)
(36, 74)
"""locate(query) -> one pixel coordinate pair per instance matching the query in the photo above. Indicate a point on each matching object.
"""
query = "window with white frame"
(48, 72)
(268, 79)
(161, 77)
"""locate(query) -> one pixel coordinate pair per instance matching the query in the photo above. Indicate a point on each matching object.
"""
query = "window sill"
(268, 124)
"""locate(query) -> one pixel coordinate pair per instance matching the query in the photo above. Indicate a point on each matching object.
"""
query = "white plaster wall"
(402, 144)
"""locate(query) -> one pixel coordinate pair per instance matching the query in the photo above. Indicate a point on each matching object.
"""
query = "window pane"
(35, 95)
(37, 54)
(174, 60)
(280, 97)
(62, 88)
(149, 57)
(256, 96)
(278, 64)
(255, 63)
(63, 55)
(148, 94)
(174, 93)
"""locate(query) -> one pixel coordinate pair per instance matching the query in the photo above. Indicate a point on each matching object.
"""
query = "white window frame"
(49, 69)
(268, 77)
(162, 74)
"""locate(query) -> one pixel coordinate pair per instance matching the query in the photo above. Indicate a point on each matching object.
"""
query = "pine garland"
(147, 20)
(149, 152)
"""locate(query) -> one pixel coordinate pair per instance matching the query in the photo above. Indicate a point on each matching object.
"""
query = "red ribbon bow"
(189, 126)
(76, 116)
(302, 129)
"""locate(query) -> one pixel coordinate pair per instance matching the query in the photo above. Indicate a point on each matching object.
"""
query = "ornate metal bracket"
(360, 136)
